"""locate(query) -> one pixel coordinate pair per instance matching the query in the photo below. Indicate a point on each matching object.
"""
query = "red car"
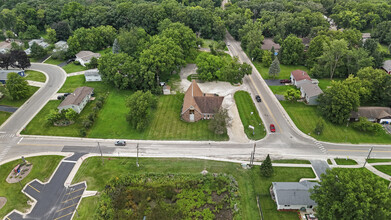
(272, 128)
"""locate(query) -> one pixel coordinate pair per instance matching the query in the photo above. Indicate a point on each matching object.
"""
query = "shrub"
(99, 104)
(87, 124)
(83, 132)
(319, 127)
(91, 116)
(364, 125)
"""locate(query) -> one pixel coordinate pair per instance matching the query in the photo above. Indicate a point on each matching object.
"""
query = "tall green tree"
(266, 58)
(19, 59)
(221, 120)
(292, 51)
(274, 69)
(116, 47)
(333, 54)
(315, 49)
(140, 106)
(182, 36)
(63, 31)
(52, 36)
(208, 66)
(16, 86)
(133, 41)
(351, 194)
(37, 51)
(266, 167)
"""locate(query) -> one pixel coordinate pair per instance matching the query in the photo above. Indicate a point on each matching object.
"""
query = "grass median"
(35, 76)
(249, 115)
(250, 182)
(341, 161)
(43, 167)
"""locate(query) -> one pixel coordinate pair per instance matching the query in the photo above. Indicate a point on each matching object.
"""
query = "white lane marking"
(20, 140)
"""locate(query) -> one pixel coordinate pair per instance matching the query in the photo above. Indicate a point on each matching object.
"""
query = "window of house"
(191, 111)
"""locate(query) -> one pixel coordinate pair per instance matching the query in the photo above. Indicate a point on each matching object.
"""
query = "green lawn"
(17, 103)
(305, 118)
(249, 181)
(281, 90)
(324, 83)
(105, 51)
(53, 61)
(245, 106)
(43, 167)
(285, 70)
(71, 68)
(341, 161)
(384, 168)
(378, 160)
(4, 116)
(295, 161)
(35, 76)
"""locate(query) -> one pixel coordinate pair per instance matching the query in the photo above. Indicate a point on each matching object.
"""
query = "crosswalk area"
(4, 152)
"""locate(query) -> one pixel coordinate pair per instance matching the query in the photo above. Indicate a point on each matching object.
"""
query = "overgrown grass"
(378, 160)
(71, 68)
(285, 70)
(250, 182)
(43, 167)
(295, 161)
(4, 116)
(53, 61)
(305, 118)
(281, 90)
(245, 107)
(384, 168)
(35, 76)
(6, 100)
(341, 161)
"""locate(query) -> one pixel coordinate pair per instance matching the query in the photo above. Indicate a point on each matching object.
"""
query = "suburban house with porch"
(92, 75)
(387, 66)
(268, 43)
(299, 77)
(4, 74)
(77, 100)
(84, 57)
(310, 92)
(198, 105)
(293, 195)
(373, 114)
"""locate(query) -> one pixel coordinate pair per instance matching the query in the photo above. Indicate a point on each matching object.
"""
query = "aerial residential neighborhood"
(212, 109)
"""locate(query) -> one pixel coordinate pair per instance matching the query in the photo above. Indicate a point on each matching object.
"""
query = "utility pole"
(101, 155)
(369, 153)
(252, 156)
(137, 157)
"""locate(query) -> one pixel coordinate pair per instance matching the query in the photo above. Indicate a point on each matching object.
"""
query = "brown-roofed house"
(77, 100)
(299, 77)
(373, 114)
(268, 43)
(198, 105)
(85, 56)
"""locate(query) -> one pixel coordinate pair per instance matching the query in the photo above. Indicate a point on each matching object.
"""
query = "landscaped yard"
(43, 167)
(71, 68)
(250, 182)
(378, 160)
(35, 76)
(17, 103)
(341, 161)
(305, 118)
(245, 107)
(4, 116)
(295, 161)
(384, 168)
(285, 70)
(281, 90)
(53, 61)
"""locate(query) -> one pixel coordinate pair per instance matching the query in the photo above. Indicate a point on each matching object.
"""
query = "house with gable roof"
(198, 105)
(299, 77)
(77, 100)
(84, 57)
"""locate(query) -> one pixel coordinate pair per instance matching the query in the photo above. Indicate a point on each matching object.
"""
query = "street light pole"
(369, 153)
(101, 155)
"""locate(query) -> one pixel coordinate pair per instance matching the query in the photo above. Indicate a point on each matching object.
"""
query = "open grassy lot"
(378, 160)
(53, 61)
(245, 107)
(305, 118)
(384, 168)
(281, 90)
(35, 76)
(4, 116)
(285, 70)
(341, 161)
(295, 161)
(250, 182)
(17, 103)
(43, 167)
(71, 68)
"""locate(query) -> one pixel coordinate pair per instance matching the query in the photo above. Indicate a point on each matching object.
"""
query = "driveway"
(273, 82)
(320, 167)
(387, 127)
(6, 108)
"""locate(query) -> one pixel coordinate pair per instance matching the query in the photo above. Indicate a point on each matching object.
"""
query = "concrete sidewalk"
(377, 172)
(76, 73)
(35, 83)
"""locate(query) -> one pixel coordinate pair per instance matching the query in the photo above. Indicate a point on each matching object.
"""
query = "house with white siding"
(77, 100)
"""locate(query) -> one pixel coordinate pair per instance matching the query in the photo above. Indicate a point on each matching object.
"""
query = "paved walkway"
(76, 73)
(35, 83)
(377, 172)
(6, 108)
(319, 166)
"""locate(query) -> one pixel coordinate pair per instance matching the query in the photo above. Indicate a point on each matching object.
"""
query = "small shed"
(92, 75)
(166, 90)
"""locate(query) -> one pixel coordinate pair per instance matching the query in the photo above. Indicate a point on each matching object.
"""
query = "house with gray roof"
(77, 100)
(293, 195)
(84, 57)
(387, 66)
(310, 92)
(92, 75)
(268, 43)
(372, 113)
(60, 46)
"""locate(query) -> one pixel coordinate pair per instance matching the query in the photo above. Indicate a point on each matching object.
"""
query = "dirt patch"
(16, 177)
(3, 201)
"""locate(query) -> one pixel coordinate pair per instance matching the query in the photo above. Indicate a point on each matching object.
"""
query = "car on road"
(272, 128)
(285, 81)
(120, 143)
(258, 98)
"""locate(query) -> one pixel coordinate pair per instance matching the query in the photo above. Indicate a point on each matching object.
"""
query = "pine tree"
(266, 167)
(116, 47)
(274, 69)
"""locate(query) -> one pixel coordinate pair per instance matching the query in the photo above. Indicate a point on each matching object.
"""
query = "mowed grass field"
(35, 76)
(251, 184)
(305, 118)
(4, 116)
(71, 68)
(285, 70)
(43, 167)
(17, 103)
(281, 90)
(245, 106)
(53, 61)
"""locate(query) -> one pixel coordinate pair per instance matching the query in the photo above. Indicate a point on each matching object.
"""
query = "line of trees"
(14, 58)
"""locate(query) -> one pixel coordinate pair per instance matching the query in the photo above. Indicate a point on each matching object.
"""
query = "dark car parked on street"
(258, 98)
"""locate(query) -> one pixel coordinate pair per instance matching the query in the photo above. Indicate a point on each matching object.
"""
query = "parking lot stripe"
(66, 207)
(8, 218)
(71, 199)
(34, 188)
(75, 191)
(64, 216)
